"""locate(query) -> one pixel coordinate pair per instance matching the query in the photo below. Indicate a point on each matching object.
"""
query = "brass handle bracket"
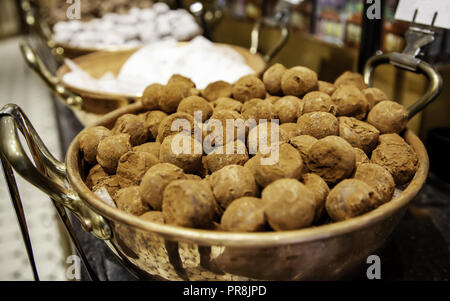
(416, 38)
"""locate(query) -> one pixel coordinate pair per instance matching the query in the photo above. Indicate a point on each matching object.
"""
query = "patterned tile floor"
(20, 86)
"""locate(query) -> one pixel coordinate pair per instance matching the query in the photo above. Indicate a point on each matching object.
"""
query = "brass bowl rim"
(258, 239)
(64, 69)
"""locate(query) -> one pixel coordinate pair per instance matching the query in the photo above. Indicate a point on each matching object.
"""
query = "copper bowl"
(326, 252)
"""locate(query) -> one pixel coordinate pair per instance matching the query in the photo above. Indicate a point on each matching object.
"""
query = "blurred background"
(328, 36)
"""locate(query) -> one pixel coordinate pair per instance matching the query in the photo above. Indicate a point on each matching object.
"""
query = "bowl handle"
(421, 67)
(282, 24)
(49, 174)
(53, 83)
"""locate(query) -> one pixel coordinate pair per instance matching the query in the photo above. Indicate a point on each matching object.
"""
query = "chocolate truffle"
(349, 101)
(150, 96)
(378, 178)
(358, 133)
(155, 181)
(217, 89)
(225, 103)
(172, 94)
(248, 87)
(183, 151)
(332, 158)
(89, 140)
(233, 153)
(286, 108)
(388, 117)
(245, 214)
(181, 119)
(188, 203)
(257, 109)
(283, 161)
(289, 205)
(153, 216)
(149, 147)
(272, 78)
(317, 101)
(350, 198)
(303, 143)
(110, 149)
(351, 78)
(232, 182)
(298, 81)
(398, 158)
(95, 175)
(319, 189)
(374, 96)
(133, 165)
(134, 126)
(129, 200)
(194, 104)
(152, 119)
(318, 124)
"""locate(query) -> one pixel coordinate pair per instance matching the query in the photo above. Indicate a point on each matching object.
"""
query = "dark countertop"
(419, 249)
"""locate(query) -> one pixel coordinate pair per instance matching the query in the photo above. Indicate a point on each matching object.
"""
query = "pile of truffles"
(339, 153)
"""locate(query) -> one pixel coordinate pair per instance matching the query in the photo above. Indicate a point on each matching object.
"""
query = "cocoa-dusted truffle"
(155, 181)
(112, 184)
(325, 87)
(286, 108)
(152, 119)
(184, 120)
(225, 103)
(318, 124)
(232, 153)
(283, 161)
(217, 89)
(89, 140)
(149, 147)
(388, 116)
(257, 109)
(134, 126)
(264, 135)
(232, 182)
(298, 81)
(95, 175)
(178, 78)
(217, 130)
(153, 216)
(248, 87)
(320, 190)
(378, 178)
(272, 78)
(183, 151)
(358, 133)
(289, 205)
(172, 94)
(350, 78)
(129, 200)
(350, 198)
(245, 214)
(360, 156)
(332, 158)
(188, 203)
(374, 96)
(290, 129)
(399, 159)
(303, 143)
(194, 104)
(150, 96)
(349, 101)
(110, 149)
(317, 101)
(133, 165)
